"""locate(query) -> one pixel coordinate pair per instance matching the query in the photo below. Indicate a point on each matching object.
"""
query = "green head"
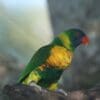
(71, 38)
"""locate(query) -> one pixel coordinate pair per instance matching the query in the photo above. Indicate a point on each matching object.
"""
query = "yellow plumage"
(59, 57)
(33, 76)
(65, 40)
(53, 86)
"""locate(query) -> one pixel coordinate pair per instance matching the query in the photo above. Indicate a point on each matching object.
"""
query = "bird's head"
(72, 38)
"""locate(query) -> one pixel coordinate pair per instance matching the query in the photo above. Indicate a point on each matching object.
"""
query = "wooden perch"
(23, 92)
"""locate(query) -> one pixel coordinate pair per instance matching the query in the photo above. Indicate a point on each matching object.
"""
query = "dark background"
(65, 14)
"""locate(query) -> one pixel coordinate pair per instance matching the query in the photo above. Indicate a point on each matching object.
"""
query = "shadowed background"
(85, 69)
(27, 25)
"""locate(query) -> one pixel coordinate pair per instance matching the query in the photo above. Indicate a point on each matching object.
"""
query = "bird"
(49, 62)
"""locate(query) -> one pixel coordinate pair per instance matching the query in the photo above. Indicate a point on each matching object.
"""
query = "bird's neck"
(66, 44)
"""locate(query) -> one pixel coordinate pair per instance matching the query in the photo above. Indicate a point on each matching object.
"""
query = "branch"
(23, 92)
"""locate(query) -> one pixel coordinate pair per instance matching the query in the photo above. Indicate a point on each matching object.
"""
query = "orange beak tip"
(85, 40)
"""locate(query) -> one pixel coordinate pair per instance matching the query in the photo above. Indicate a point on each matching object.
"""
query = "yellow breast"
(59, 57)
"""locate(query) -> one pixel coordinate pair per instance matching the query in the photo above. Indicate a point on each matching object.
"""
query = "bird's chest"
(59, 57)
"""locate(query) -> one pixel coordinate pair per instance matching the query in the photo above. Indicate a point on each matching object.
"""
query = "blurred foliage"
(23, 27)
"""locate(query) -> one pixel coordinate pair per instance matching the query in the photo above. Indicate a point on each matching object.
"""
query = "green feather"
(49, 76)
(64, 40)
(39, 58)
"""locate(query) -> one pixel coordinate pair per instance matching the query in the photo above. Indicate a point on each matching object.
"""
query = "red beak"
(85, 40)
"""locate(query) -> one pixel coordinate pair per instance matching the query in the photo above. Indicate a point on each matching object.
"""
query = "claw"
(61, 91)
(35, 85)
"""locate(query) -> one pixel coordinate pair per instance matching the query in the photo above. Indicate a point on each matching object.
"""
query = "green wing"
(39, 58)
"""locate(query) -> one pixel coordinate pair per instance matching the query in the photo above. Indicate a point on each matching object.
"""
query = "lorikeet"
(48, 63)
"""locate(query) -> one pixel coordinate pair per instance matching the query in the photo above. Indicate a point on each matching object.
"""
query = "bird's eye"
(77, 33)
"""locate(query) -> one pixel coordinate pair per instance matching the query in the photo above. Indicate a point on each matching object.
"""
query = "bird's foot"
(61, 91)
(42, 90)
(36, 86)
